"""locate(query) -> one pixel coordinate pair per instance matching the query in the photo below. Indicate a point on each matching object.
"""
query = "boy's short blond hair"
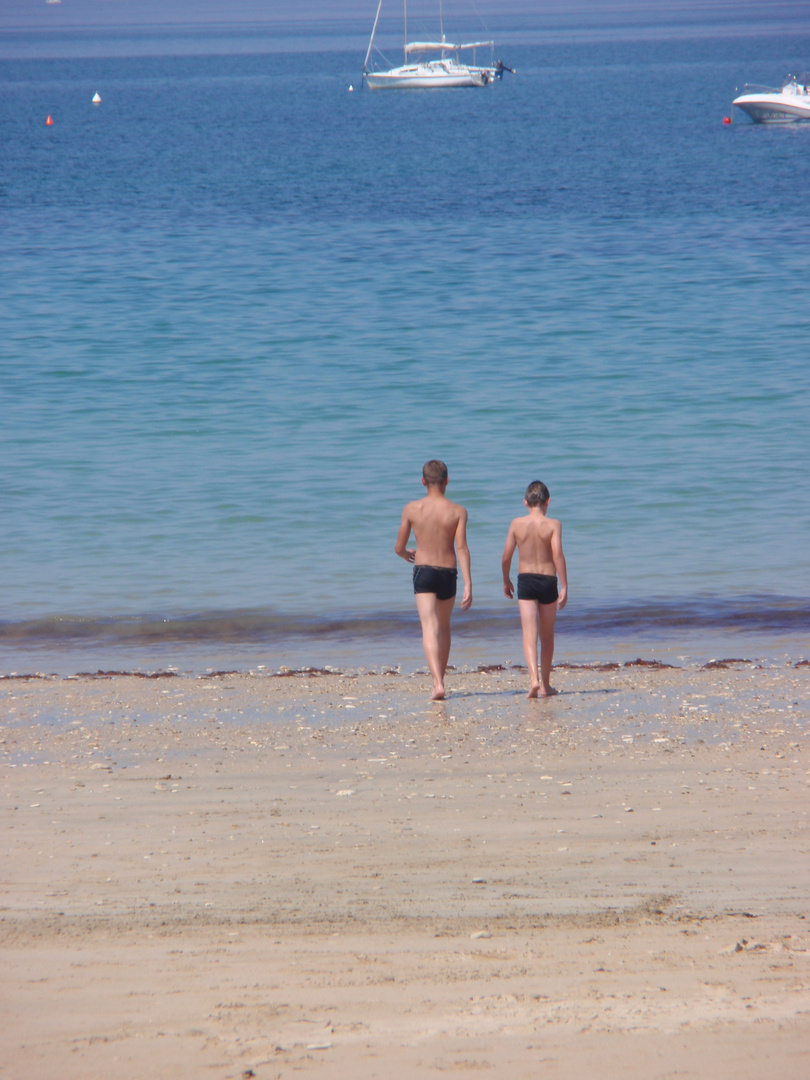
(434, 472)
(537, 493)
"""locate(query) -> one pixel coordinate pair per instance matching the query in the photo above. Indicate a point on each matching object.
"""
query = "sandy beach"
(316, 874)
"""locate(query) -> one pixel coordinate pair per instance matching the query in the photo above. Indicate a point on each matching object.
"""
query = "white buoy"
(350, 89)
(96, 98)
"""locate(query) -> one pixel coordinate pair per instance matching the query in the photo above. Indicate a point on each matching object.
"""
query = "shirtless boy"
(440, 529)
(540, 563)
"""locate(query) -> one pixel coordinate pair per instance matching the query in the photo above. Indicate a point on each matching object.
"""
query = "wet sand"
(323, 875)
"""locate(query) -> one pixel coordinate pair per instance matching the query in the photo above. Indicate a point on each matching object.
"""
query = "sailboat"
(424, 69)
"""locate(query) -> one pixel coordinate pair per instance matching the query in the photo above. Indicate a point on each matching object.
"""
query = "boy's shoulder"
(530, 519)
(448, 505)
(427, 500)
(530, 522)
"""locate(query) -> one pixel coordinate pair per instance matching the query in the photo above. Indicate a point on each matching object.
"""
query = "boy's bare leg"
(537, 621)
(434, 615)
(444, 610)
(530, 622)
(547, 616)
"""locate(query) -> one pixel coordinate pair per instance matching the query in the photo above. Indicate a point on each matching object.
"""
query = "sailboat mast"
(373, 32)
(441, 22)
(405, 24)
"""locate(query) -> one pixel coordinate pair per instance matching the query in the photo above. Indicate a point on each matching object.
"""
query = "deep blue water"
(240, 307)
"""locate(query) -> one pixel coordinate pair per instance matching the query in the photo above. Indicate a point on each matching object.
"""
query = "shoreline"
(764, 629)
(257, 875)
(402, 652)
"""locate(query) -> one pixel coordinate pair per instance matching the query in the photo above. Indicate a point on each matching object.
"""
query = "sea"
(243, 299)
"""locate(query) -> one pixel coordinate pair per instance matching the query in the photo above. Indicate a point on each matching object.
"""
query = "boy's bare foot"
(548, 691)
(535, 690)
(438, 694)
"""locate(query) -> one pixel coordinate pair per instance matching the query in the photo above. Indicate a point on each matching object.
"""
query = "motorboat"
(431, 65)
(766, 105)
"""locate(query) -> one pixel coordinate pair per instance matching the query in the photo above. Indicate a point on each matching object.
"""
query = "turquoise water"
(241, 306)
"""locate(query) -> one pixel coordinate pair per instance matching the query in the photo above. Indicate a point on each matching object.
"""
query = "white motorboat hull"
(787, 106)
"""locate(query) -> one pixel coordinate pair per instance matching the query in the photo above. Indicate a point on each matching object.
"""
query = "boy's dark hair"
(536, 493)
(434, 472)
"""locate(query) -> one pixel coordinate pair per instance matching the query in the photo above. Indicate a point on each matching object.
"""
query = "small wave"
(756, 614)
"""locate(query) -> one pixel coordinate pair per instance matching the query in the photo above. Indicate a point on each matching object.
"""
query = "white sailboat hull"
(429, 76)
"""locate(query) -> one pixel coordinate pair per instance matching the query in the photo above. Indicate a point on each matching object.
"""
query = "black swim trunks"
(441, 580)
(539, 587)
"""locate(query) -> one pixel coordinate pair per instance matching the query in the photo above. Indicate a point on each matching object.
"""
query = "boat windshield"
(800, 82)
(755, 88)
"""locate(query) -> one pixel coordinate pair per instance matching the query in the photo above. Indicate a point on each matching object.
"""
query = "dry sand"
(249, 875)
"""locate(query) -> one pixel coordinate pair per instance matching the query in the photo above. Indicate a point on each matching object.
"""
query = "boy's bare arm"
(401, 546)
(463, 556)
(506, 561)
(559, 565)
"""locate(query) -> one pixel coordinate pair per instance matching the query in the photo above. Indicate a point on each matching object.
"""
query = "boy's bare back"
(537, 537)
(437, 524)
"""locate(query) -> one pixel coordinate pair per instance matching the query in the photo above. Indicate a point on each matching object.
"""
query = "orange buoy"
(49, 121)
(726, 119)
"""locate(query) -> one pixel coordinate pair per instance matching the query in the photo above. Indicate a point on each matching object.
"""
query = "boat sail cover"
(426, 46)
